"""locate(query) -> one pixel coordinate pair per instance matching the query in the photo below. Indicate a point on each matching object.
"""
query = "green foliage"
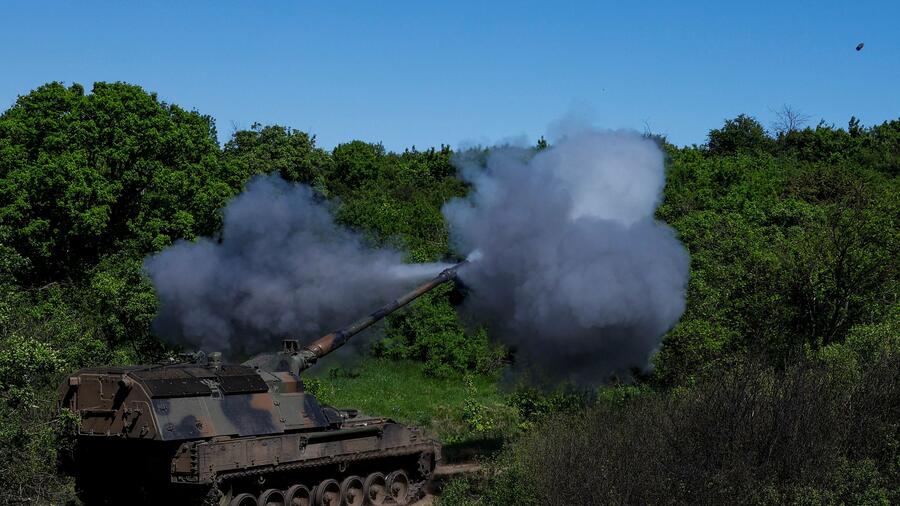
(30, 438)
(125, 304)
(874, 148)
(432, 333)
(750, 435)
(82, 176)
(535, 406)
(25, 364)
(42, 337)
(483, 419)
(266, 149)
(501, 483)
(852, 483)
(458, 408)
(808, 242)
(396, 199)
(866, 343)
(741, 134)
(356, 163)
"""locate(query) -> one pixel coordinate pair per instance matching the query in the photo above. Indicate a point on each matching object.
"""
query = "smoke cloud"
(568, 265)
(282, 267)
(572, 270)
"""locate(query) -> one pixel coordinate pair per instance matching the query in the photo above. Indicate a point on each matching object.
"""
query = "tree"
(840, 258)
(742, 133)
(273, 148)
(355, 163)
(788, 119)
(83, 176)
(806, 238)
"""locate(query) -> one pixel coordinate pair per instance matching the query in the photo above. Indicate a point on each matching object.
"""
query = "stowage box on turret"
(204, 432)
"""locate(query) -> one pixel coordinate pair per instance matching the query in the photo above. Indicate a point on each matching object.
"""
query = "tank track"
(418, 474)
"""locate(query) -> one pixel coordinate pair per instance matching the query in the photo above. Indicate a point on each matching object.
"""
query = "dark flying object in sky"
(859, 46)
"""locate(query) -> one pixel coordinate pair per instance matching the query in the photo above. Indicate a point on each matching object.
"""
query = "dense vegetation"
(779, 384)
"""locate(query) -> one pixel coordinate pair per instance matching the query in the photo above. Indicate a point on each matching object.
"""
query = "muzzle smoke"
(567, 264)
(282, 267)
(572, 271)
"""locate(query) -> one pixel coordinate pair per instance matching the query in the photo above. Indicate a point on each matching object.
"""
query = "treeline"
(793, 240)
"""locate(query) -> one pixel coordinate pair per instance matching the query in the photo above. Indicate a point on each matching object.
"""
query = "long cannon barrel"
(334, 340)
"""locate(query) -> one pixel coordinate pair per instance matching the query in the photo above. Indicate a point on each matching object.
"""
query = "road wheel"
(398, 486)
(352, 491)
(328, 493)
(297, 495)
(375, 489)
(271, 497)
(244, 499)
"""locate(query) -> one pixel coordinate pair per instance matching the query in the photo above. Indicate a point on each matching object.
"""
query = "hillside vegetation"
(778, 385)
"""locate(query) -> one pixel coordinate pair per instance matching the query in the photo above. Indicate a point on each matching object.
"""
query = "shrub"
(430, 331)
(501, 483)
(753, 435)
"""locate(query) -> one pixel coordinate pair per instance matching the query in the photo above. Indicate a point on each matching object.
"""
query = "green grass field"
(469, 413)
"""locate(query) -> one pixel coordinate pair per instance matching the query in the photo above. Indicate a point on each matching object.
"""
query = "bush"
(41, 338)
(534, 406)
(30, 438)
(742, 133)
(805, 435)
(501, 483)
(430, 331)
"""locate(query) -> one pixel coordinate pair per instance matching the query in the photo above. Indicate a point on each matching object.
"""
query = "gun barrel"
(334, 340)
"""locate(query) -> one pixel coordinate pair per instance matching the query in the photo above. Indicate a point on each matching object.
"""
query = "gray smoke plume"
(570, 267)
(282, 267)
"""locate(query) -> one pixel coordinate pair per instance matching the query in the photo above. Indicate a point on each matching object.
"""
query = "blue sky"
(425, 73)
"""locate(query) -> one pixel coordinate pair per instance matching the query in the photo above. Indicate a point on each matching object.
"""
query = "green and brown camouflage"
(240, 435)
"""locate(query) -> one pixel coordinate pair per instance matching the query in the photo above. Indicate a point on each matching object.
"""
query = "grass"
(468, 413)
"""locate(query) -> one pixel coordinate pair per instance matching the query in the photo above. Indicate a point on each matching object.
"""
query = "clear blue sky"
(424, 73)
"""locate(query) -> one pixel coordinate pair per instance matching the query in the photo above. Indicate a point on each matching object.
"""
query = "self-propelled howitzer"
(204, 432)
